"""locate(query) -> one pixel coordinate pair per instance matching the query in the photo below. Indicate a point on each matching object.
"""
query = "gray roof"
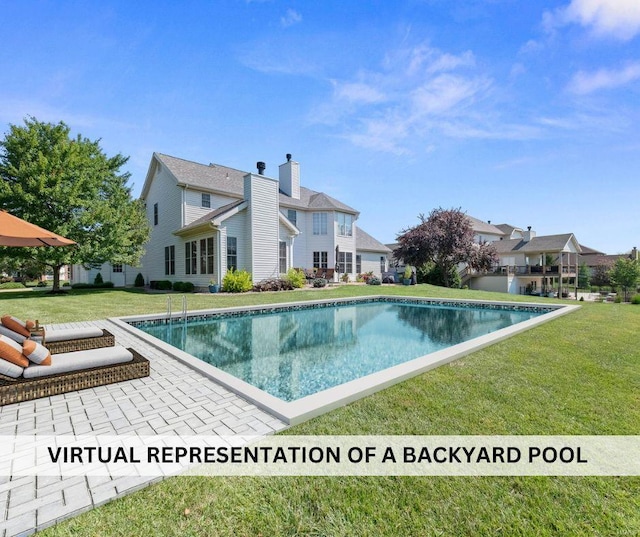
(546, 243)
(213, 214)
(229, 181)
(590, 251)
(366, 242)
(480, 226)
(507, 229)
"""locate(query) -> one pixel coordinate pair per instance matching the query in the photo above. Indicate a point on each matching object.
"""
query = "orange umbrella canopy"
(17, 232)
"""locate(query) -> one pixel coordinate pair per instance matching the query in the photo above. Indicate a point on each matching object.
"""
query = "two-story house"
(207, 219)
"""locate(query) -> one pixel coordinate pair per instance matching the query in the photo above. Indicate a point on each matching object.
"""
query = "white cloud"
(584, 83)
(291, 17)
(619, 19)
(416, 92)
(358, 92)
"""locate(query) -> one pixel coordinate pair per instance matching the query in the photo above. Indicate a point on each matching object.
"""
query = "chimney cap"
(261, 167)
(288, 157)
(528, 228)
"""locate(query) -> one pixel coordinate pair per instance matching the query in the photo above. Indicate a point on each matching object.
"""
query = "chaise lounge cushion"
(4, 331)
(10, 351)
(75, 361)
(22, 327)
(36, 353)
(64, 334)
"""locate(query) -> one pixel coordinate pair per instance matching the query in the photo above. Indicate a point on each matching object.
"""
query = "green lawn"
(579, 374)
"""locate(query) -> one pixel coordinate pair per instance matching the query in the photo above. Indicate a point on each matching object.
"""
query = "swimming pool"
(294, 359)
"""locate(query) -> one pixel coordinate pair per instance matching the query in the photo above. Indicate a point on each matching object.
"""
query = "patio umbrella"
(17, 232)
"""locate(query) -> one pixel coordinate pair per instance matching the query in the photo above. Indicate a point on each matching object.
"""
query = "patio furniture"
(57, 341)
(116, 364)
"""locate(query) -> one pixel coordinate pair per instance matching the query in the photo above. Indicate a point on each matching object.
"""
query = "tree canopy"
(446, 239)
(69, 186)
(625, 273)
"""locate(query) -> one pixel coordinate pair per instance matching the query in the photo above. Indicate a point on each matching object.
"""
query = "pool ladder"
(183, 316)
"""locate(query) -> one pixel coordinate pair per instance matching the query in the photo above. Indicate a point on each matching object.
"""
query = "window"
(117, 267)
(292, 215)
(345, 224)
(206, 200)
(383, 264)
(320, 260)
(155, 214)
(283, 257)
(206, 256)
(319, 223)
(169, 260)
(191, 257)
(358, 264)
(345, 260)
(232, 253)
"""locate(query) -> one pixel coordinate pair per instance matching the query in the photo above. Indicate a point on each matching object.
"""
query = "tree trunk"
(56, 278)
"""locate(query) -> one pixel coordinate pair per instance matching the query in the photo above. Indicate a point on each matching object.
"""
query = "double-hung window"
(345, 259)
(232, 253)
(206, 200)
(206, 256)
(319, 223)
(191, 257)
(169, 260)
(292, 215)
(320, 260)
(345, 224)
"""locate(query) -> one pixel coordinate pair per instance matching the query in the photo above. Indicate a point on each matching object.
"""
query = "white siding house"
(206, 219)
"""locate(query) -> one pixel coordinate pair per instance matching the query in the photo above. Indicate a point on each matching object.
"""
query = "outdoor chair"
(56, 340)
(67, 372)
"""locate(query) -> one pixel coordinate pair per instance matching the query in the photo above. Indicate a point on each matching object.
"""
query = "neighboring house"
(207, 219)
(527, 264)
(531, 265)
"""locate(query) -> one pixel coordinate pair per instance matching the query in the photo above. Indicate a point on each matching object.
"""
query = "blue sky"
(516, 111)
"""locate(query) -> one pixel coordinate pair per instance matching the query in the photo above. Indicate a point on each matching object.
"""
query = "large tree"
(625, 273)
(69, 186)
(445, 238)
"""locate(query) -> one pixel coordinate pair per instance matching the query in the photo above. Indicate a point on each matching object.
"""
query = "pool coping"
(319, 403)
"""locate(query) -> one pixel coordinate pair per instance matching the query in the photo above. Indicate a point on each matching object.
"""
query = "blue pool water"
(300, 351)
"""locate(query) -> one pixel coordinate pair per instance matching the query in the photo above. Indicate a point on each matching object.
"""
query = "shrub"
(237, 281)
(98, 279)
(374, 281)
(617, 299)
(42, 283)
(139, 280)
(163, 285)
(11, 285)
(635, 299)
(103, 285)
(188, 287)
(296, 278)
(66, 284)
(273, 284)
(319, 282)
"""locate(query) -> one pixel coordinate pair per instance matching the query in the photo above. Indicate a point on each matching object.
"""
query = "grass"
(579, 374)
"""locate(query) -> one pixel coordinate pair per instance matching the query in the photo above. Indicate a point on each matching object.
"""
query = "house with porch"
(531, 265)
(207, 219)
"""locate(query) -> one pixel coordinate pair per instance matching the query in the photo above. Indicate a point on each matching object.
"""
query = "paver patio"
(172, 400)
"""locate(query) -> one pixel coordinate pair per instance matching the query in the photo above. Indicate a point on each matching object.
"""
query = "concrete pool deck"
(173, 400)
(321, 402)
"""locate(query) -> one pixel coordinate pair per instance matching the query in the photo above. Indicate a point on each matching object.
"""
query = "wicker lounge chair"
(107, 339)
(21, 389)
(60, 340)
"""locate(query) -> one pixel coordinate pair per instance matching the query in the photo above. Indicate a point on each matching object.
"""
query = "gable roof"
(366, 242)
(208, 219)
(230, 182)
(546, 243)
(480, 226)
(508, 229)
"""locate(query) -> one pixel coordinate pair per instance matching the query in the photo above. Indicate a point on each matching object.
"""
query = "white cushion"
(64, 334)
(10, 333)
(10, 369)
(75, 361)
